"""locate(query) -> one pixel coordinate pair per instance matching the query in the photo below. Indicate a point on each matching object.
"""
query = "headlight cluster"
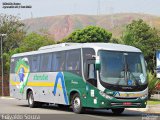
(105, 95)
(144, 96)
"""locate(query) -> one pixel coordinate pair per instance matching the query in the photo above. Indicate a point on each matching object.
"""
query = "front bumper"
(123, 103)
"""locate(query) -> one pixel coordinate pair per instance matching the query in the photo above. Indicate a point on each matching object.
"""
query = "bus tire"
(31, 101)
(117, 111)
(77, 104)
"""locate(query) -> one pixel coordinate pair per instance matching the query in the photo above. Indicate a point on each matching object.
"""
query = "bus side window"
(73, 61)
(46, 60)
(58, 61)
(91, 73)
(35, 63)
(87, 55)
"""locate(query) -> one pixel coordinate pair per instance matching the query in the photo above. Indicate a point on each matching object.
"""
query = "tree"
(33, 41)
(141, 35)
(116, 40)
(14, 29)
(89, 34)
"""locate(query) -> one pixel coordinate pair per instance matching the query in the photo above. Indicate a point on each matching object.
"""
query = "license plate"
(127, 103)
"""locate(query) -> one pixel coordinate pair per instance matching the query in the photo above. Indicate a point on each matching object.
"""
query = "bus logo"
(61, 77)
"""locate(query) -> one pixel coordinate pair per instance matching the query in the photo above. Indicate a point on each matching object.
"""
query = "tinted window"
(73, 58)
(46, 60)
(87, 56)
(35, 61)
(91, 71)
(58, 61)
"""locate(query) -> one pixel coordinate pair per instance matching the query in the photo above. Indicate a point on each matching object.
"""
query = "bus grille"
(134, 98)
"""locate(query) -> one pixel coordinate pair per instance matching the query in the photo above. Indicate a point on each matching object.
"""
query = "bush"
(152, 83)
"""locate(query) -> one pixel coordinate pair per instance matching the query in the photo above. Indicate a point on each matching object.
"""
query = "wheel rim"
(30, 99)
(77, 103)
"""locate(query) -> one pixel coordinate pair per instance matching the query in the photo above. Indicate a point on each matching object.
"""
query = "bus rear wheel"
(117, 111)
(31, 101)
(77, 104)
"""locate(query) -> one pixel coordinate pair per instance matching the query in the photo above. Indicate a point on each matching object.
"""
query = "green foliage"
(33, 41)
(152, 83)
(153, 102)
(14, 29)
(144, 37)
(89, 34)
(116, 40)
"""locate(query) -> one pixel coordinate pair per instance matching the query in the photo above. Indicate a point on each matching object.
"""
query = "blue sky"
(41, 8)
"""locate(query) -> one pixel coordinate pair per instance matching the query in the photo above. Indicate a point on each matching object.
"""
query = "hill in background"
(61, 26)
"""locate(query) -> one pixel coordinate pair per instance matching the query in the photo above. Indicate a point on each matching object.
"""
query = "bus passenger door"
(91, 85)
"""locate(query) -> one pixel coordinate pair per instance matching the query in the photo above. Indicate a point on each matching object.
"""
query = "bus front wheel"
(117, 111)
(77, 104)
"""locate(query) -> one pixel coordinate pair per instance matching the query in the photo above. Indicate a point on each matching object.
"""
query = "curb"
(6, 97)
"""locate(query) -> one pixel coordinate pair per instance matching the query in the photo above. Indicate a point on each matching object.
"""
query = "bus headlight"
(144, 96)
(105, 95)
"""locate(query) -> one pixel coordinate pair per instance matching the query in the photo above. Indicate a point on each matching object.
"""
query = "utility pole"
(2, 35)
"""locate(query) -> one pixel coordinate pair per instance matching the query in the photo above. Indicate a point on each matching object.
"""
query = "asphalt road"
(10, 107)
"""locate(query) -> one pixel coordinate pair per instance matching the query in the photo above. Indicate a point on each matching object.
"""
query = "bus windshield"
(122, 68)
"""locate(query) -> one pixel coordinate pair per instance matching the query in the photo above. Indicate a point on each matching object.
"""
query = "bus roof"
(69, 46)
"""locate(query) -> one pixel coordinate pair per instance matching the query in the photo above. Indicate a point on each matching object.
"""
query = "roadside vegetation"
(153, 102)
(152, 83)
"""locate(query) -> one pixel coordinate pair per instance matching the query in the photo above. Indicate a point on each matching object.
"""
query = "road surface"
(9, 106)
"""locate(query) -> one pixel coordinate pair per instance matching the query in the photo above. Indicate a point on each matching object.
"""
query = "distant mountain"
(61, 26)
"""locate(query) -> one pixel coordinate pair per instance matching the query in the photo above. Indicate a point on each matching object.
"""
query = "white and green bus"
(81, 75)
